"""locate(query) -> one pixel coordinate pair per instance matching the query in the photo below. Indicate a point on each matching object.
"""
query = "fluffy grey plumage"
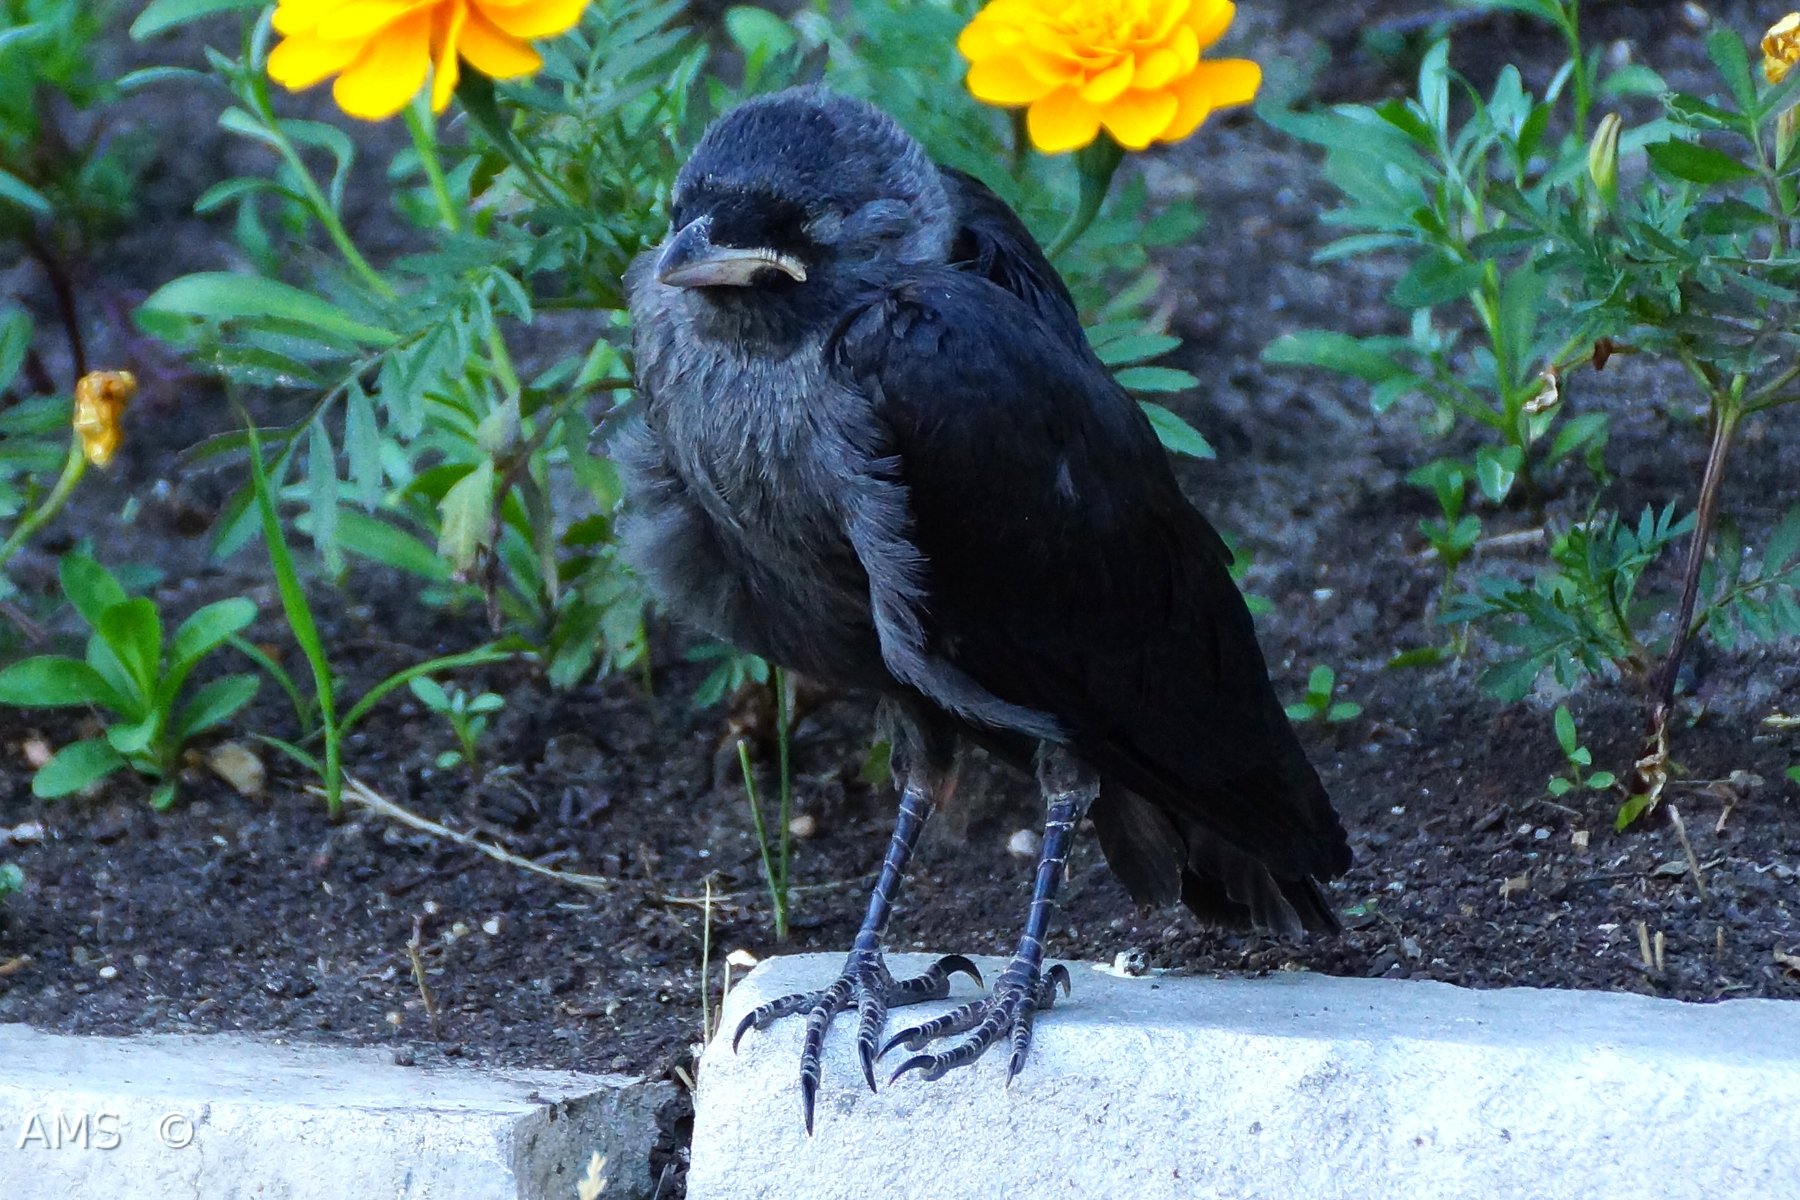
(878, 450)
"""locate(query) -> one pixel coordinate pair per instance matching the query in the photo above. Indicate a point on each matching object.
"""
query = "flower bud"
(100, 400)
(1603, 159)
(1781, 48)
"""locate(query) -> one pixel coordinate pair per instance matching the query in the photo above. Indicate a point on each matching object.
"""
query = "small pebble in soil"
(804, 826)
(109, 972)
(1131, 962)
(491, 927)
(395, 1020)
(1025, 844)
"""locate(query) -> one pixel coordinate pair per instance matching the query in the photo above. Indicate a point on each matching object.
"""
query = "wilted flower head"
(382, 50)
(100, 400)
(1781, 48)
(1132, 66)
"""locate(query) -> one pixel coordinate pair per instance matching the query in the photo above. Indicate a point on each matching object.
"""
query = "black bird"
(877, 449)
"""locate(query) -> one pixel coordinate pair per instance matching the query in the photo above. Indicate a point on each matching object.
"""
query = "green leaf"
(223, 296)
(1436, 279)
(1495, 471)
(15, 342)
(90, 587)
(1332, 351)
(132, 630)
(12, 878)
(162, 796)
(208, 628)
(1696, 163)
(75, 768)
(1135, 348)
(133, 738)
(52, 681)
(1512, 681)
(1599, 781)
(213, 705)
(1155, 379)
(430, 693)
(1175, 434)
(373, 538)
(1633, 808)
(362, 445)
(466, 513)
(1726, 48)
(1565, 730)
(161, 15)
(1784, 543)
(18, 192)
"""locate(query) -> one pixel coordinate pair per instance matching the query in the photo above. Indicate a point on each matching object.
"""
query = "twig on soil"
(413, 945)
(361, 793)
(1687, 848)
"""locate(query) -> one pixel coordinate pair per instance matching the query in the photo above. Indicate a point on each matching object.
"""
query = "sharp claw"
(743, 1028)
(916, 1061)
(866, 1052)
(1059, 975)
(809, 1091)
(953, 964)
(905, 1035)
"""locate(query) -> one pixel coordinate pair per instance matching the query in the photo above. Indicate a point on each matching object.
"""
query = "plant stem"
(75, 465)
(418, 124)
(1096, 163)
(64, 292)
(1727, 411)
(782, 740)
(777, 898)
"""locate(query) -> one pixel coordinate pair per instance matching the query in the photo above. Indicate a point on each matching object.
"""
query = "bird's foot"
(866, 985)
(1022, 991)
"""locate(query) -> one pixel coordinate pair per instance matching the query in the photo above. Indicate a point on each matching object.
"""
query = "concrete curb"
(222, 1117)
(1294, 1085)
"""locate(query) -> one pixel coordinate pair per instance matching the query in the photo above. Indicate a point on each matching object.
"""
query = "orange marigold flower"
(1132, 66)
(382, 50)
(100, 400)
(1781, 48)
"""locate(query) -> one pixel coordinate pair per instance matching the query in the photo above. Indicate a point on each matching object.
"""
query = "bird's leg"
(866, 983)
(1024, 987)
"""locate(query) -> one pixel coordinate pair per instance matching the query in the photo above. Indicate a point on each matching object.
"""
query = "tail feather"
(1221, 884)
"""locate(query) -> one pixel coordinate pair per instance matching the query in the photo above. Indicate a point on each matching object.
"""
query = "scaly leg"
(1024, 987)
(866, 983)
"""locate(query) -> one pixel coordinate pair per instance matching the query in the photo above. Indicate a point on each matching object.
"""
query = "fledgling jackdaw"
(878, 450)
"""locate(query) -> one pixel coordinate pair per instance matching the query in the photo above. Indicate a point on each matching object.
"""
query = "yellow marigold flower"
(1781, 48)
(1132, 66)
(382, 50)
(100, 400)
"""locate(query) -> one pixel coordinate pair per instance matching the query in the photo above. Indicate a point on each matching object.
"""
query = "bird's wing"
(992, 242)
(1063, 571)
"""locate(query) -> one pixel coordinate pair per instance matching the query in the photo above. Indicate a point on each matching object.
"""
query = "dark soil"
(263, 915)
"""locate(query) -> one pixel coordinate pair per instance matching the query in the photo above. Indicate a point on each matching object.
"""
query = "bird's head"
(793, 198)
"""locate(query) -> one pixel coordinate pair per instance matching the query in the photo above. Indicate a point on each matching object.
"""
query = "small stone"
(1579, 839)
(240, 767)
(491, 927)
(395, 1020)
(1133, 962)
(29, 831)
(804, 826)
(1024, 844)
(36, 751)
(109, 972)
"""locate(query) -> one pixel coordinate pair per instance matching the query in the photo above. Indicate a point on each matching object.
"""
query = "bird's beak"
(691, 260)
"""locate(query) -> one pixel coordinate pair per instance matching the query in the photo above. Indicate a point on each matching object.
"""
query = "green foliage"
(1527, 252)
(466, 715)
(1580, 760)
(324, 716)
(134, 675)
(74, 180)
(732, 670)
(12, 879)
(1317, 705)
(1581, 614)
